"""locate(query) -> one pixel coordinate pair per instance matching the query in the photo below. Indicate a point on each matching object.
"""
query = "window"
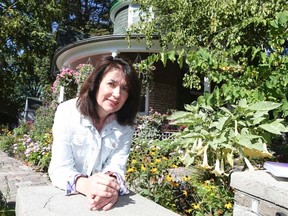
(133, 14)
(144, 103)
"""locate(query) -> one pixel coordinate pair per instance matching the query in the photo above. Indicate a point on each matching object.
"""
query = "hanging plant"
(66, 83)
(84, 70)
(145, 70)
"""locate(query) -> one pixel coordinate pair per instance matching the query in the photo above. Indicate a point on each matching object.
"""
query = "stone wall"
(258, 193)
(50, 201)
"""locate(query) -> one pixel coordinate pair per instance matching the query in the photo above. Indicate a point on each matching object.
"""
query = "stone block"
(51, 201)
(259, 193)
(262, 184)
(239, 210)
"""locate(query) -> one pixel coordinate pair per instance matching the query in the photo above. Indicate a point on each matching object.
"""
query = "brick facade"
(163, 97)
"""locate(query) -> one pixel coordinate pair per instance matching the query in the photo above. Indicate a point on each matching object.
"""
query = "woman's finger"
(108, 206)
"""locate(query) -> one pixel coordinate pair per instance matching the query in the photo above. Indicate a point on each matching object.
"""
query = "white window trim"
(146, 111)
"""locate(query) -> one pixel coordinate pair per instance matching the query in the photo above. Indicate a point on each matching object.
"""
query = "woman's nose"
(116, 92)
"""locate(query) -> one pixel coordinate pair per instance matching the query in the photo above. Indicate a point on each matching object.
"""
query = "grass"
(6, 208)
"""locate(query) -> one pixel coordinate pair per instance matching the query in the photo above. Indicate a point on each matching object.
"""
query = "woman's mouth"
(113, 103)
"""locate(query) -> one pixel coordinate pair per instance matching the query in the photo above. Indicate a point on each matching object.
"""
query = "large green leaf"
(220, 123)
(274, 127)
(179, 115)
(257, 121)
(264, 106)
(283, 18)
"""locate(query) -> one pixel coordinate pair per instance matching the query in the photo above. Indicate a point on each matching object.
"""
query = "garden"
(210, 142)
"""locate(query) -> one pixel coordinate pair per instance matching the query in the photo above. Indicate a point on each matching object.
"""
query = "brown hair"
(87, 103)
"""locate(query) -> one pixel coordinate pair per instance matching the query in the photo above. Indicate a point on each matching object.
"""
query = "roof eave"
(101, 45)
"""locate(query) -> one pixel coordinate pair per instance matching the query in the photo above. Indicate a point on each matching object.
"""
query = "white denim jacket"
(78, 148)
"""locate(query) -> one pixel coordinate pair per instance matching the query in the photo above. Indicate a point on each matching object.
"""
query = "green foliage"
(86, 16)
(6, 140)
(238, 44)
(31, 31)
(154, 125)
(241, 48)
(5, 208)
(145, 71)
(148, 173)
(149, 126)
(31, 142)
(213, 138)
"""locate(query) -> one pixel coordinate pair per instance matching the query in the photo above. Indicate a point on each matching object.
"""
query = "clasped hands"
(100, 189)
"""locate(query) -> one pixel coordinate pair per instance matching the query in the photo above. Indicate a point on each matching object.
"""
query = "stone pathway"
(15, 174)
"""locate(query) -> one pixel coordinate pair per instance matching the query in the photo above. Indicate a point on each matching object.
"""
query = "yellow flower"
(157, 160)
(143, 168)
(188, 210)
(133, 161)
(185, 193)
(169, 178)
(164, 158)
(174, 166)
(174, 184)
(209, 187)
(154, 170)
(131, 170)
(186, 178)
(152, 153)
(228, 205)
(196, 206)
(154, 149)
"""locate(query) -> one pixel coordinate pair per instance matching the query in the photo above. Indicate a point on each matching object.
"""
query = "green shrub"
(5, 208)
(214, 137)
(148, 173)
(6, 140)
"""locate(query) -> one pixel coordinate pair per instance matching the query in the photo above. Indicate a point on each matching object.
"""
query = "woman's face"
(112, 92)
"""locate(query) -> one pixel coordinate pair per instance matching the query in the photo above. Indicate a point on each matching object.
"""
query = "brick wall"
(247, 204)
(163, 97)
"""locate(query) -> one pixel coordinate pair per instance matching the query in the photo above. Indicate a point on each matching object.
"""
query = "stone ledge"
(262, 184)
(51, 201)
(259, 193)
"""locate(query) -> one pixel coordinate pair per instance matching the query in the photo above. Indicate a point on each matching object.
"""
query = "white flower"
(205, 164)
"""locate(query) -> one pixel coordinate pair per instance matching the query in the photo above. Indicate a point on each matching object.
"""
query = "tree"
(241, 46)
(239, 43)
(28, 39)
(27, 42)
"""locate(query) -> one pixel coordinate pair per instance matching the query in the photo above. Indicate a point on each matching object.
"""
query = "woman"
(92, 134)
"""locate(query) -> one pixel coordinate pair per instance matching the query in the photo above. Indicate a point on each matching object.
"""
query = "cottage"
(167, 91)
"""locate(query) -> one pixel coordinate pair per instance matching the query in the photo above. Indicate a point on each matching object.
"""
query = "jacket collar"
(86, 122)
(111, 125)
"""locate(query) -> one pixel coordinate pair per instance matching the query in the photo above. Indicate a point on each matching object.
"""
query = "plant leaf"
(264, 106)
(275, 127)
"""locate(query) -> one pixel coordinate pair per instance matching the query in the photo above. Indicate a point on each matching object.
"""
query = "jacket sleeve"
(117, 160)
(61, 168)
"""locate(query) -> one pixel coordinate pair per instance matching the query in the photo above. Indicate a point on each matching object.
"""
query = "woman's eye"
(111, 84)
(125, 88)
